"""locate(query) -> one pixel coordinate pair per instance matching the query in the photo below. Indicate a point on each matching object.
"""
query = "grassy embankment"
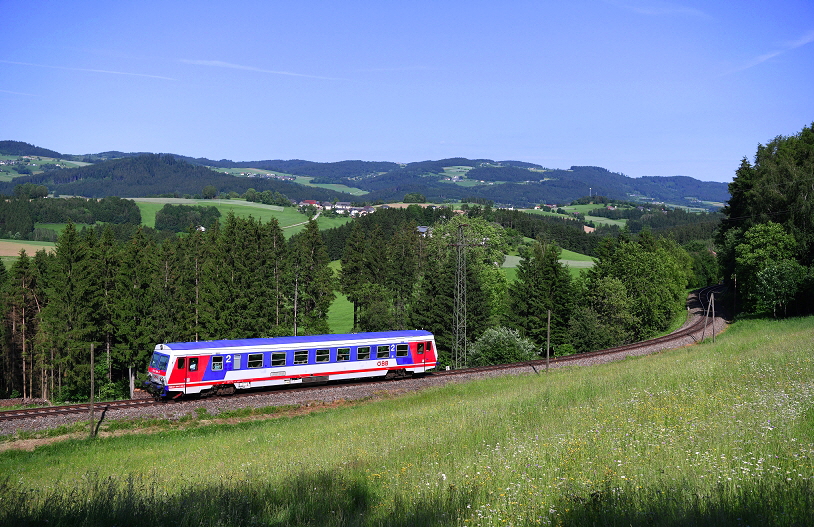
(707, 435)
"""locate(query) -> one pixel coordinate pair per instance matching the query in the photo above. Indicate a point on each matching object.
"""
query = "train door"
(193, 375)
(421, 355)
(424, 354)
(178, 376)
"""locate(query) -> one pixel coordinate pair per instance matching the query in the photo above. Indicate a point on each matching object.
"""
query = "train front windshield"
(159, 361)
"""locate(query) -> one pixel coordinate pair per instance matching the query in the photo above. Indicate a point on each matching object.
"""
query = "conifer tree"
(311, 279)
(104, 266)
(355, 272)
(434, 306)
(68, 316)
(23, 300)
(134, 316)
(542, 284)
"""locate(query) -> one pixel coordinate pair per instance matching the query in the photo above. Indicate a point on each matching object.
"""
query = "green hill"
(514, 183)
(157, 175)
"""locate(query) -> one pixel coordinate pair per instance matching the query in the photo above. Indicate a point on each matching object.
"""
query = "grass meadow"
(575, 262)
(351, 191)
(713, 434)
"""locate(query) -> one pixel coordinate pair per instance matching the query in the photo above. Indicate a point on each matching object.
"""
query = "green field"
(584, 209)
(575, 262)
(288, 217)
(306, 180)
(713, 434)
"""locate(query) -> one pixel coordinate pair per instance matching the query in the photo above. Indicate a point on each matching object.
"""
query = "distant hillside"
(18, 148)
(515, 183)
(152, 175)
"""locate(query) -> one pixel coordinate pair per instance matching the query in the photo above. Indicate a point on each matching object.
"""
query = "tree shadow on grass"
(310, 499)
(765, 502)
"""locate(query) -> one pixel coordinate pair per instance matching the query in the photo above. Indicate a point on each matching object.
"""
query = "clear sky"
(641, 87)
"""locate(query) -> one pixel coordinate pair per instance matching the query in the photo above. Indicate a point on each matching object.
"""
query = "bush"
(501, 345)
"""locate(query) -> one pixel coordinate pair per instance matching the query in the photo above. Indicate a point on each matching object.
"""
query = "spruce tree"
(542, 284)
(134, 315)
(68, 317)
(311, 279)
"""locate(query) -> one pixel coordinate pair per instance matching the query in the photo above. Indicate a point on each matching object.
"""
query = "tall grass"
(717, 434)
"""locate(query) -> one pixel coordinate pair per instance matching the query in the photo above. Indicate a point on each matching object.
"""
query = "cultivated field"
(10, 249)
(713, 434)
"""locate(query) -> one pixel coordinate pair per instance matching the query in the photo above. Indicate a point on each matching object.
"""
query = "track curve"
(698, 326)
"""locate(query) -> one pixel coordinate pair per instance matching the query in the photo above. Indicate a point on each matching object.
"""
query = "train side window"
(382, 352)
(402, 350)
(420, 348)
(182, 363)
(301, 357)
(363, 353)
(255, 360)
(278, 358)
(323, 355)
(217, 363)
(237, 362)
(343, 354)
(429, 346)
(193, 364)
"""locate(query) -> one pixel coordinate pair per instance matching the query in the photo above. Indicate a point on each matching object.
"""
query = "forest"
(240, 278)
(159, 175)
(766, 240)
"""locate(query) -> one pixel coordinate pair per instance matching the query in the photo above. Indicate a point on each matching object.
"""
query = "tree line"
(20, 213)
(236, 280)
(241, 278)
(766, 241)
(403, 281)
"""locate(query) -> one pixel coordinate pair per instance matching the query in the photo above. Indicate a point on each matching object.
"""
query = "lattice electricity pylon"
(459, 315)
(459, 320)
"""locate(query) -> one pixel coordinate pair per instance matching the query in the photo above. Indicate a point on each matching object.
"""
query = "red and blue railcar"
(223, 366)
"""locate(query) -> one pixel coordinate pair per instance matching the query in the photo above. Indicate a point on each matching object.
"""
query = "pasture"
(289, 218)
(713, 434)
(574, 261)
(584, 209)
(352, 191)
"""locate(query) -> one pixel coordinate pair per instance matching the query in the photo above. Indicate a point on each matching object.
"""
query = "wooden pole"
(712, 299)
(547, 340)
(92, 372)
(706, 316)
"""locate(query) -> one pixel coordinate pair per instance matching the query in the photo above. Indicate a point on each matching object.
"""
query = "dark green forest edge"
(124, 288)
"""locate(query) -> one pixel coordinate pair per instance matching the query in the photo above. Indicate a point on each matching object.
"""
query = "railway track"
(697, 304)
(698, 324)
(50, 411)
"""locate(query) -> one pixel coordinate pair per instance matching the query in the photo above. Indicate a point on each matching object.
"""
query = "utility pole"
(548, 340)
(712, 296)
(92, 374)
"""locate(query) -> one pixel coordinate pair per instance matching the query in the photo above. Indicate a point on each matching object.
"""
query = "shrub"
(501, 345)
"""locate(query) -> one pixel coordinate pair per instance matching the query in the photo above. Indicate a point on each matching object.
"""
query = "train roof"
(298, 340)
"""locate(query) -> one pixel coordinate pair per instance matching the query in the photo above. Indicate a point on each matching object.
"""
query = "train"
(223, 367)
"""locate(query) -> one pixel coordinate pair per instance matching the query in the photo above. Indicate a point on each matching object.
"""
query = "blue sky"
(641, 87)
